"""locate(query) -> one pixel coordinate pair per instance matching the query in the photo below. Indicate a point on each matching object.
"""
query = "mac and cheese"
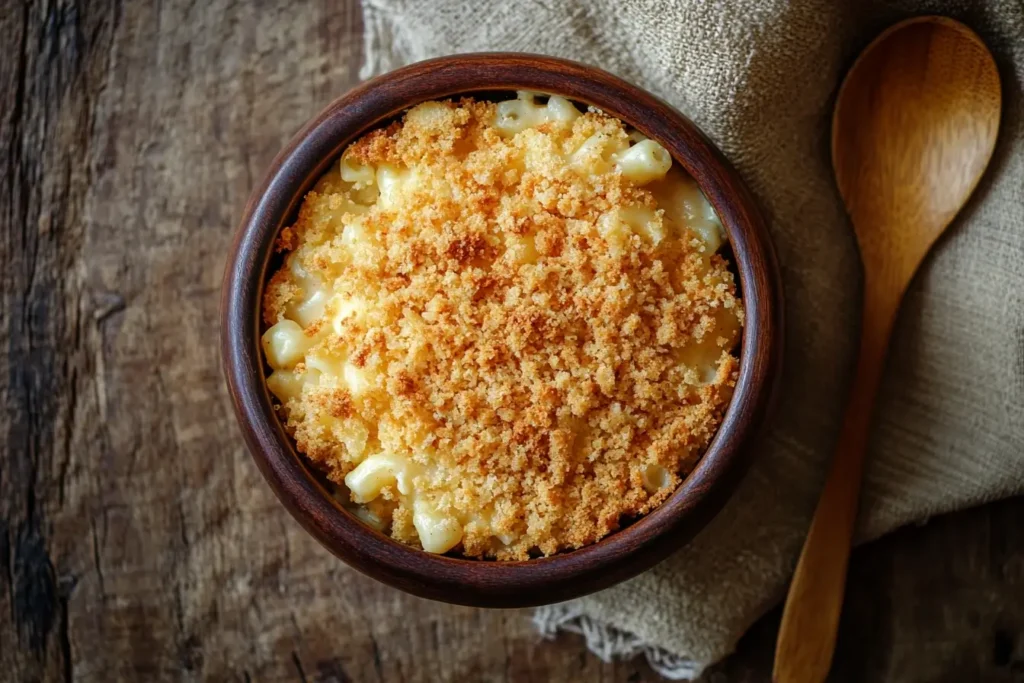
(503, 328)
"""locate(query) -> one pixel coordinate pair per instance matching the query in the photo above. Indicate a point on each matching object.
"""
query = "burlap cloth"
(759, 76)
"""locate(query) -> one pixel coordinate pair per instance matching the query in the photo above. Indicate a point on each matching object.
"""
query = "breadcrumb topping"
(549, 382)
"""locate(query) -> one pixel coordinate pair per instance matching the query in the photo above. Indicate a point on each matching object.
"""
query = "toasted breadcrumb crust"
(532, 370)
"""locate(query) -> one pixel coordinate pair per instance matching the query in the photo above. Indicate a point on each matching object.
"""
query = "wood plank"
(137, 539)
(53, 61)
(939, 602)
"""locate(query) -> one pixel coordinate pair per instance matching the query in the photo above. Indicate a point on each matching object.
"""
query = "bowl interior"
(306, 492)
(277, 260)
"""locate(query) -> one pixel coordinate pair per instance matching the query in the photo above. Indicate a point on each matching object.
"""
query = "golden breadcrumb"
(540, 374)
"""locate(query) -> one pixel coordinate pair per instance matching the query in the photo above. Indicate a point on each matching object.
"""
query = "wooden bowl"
(481, 582)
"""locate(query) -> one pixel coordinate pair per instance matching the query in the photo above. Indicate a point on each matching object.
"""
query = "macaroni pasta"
(502, 328)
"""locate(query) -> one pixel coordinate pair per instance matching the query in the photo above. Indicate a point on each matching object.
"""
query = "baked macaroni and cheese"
(503, 328)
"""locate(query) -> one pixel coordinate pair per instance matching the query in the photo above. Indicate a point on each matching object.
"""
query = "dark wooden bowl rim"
(475, 582)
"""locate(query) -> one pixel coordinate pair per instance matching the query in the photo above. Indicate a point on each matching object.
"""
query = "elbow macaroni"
(643, 162)
(515, 116)
(438, 533)
(342, 349)
(369, 478)
(285, 344)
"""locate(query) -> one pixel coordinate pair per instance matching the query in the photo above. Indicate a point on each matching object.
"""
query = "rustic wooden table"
(137, 539)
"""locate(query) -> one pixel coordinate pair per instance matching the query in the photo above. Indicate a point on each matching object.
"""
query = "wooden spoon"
(913, 129)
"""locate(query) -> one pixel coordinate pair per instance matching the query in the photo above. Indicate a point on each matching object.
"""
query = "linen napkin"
(759, 77)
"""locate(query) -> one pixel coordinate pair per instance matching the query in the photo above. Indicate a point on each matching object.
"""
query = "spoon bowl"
(914, 127)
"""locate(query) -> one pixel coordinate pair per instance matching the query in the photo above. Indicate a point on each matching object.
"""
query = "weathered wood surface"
(137, 540)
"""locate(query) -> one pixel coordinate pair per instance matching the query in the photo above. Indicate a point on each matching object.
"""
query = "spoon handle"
(810, 619)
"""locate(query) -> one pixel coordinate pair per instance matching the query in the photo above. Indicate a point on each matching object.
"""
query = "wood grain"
(915, 125)
(137, 538)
